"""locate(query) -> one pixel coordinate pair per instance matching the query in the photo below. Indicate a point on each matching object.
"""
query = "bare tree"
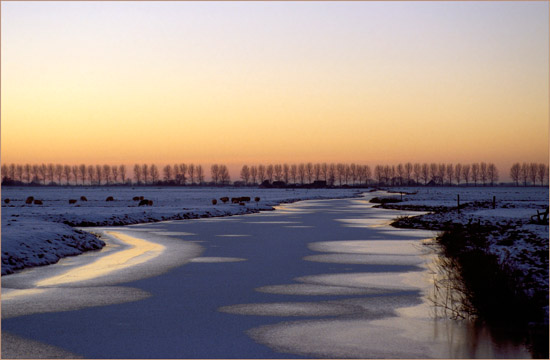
(533, 169)
(347, 173)
(324, 171)
(98, 173)
(331, 174)
(50, 172)
(302, 173)
(379, 173)
(278, 172)
(492, 173)
(154, 171)
(441, 173)
(286, 173)
(400, 171)
(67, 171)
(483, 172)
(137, 173)
(167, 170)
(36, 173)
(107, 174)
(433, 172)
(368, 174)
(475, 173)
(224, 175)
(19, 172)
(75, 170)
(317, 171)
(309, 172)
(340, 171)
(458, 173)
(450, 173)
(27, 171)
(425, 173)
(43, 170)
(261, 173)
(408, 172)
(245, 174)
(122, 170)
(293, 172)
(269, 173)
(200, 174)
(191, 173)
(524, 173)
(182, 170)
(91, 173)
(253, 174)
(466, 173)
(515, 173)
(145, 173)
(5, 171)
(114, 172)
(417, 172)
(82, 172)
(541, 172)
(215, 173)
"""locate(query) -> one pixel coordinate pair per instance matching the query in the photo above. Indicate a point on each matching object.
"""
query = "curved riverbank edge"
(497, 291)
(67, 236)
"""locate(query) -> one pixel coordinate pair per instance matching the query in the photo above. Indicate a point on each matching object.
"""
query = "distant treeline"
(278, 175)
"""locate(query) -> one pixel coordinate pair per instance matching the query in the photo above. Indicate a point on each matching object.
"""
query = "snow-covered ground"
(41, 234)
(518, 242)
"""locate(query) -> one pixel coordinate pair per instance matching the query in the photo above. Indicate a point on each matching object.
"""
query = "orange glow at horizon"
(274, 83)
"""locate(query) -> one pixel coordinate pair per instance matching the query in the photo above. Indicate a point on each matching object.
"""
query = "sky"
(274, 82)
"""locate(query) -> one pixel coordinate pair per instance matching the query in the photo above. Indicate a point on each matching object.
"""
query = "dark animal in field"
(110, 198)
(224, 199)
(136, 198)
(245, 198)
(145, 202)
(256, 199)
(235, 200)
(72, 201)
(7, 201)
(241, 199)
(29, 200)
(214, 201)
(83, 198)
(241, 203)
(141, 198)
(38, 202)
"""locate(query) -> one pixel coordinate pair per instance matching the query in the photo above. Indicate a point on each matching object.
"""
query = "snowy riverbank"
(35, 235)
(519, 243)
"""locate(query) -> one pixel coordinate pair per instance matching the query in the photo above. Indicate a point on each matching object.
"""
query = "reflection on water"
(138, 252)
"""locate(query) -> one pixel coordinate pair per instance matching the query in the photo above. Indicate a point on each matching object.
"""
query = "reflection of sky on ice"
(366, 259)
(382, 247)
(214, 259)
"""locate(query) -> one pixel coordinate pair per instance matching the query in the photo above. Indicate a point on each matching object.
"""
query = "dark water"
(317, 279)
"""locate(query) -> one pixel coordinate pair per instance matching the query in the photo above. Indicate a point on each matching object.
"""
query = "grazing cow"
(214, 201)
(110, 198)
(256, 199)
(136, 198)
(72, 201)
(38, 202)
(29, 200)
(145, 202)
(245, 198)
(83, 198)
(241, 203)
(224, 199)
(7, 201)
(141, 198)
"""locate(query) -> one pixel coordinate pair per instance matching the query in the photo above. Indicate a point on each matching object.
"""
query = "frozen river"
(318, 278)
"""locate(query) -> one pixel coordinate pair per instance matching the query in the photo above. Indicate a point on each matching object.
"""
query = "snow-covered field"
(519, 242)
(41, 234)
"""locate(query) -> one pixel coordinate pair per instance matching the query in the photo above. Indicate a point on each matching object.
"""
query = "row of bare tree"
(529, 173)
(388, 175)
(299, 174)
(178, 174)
